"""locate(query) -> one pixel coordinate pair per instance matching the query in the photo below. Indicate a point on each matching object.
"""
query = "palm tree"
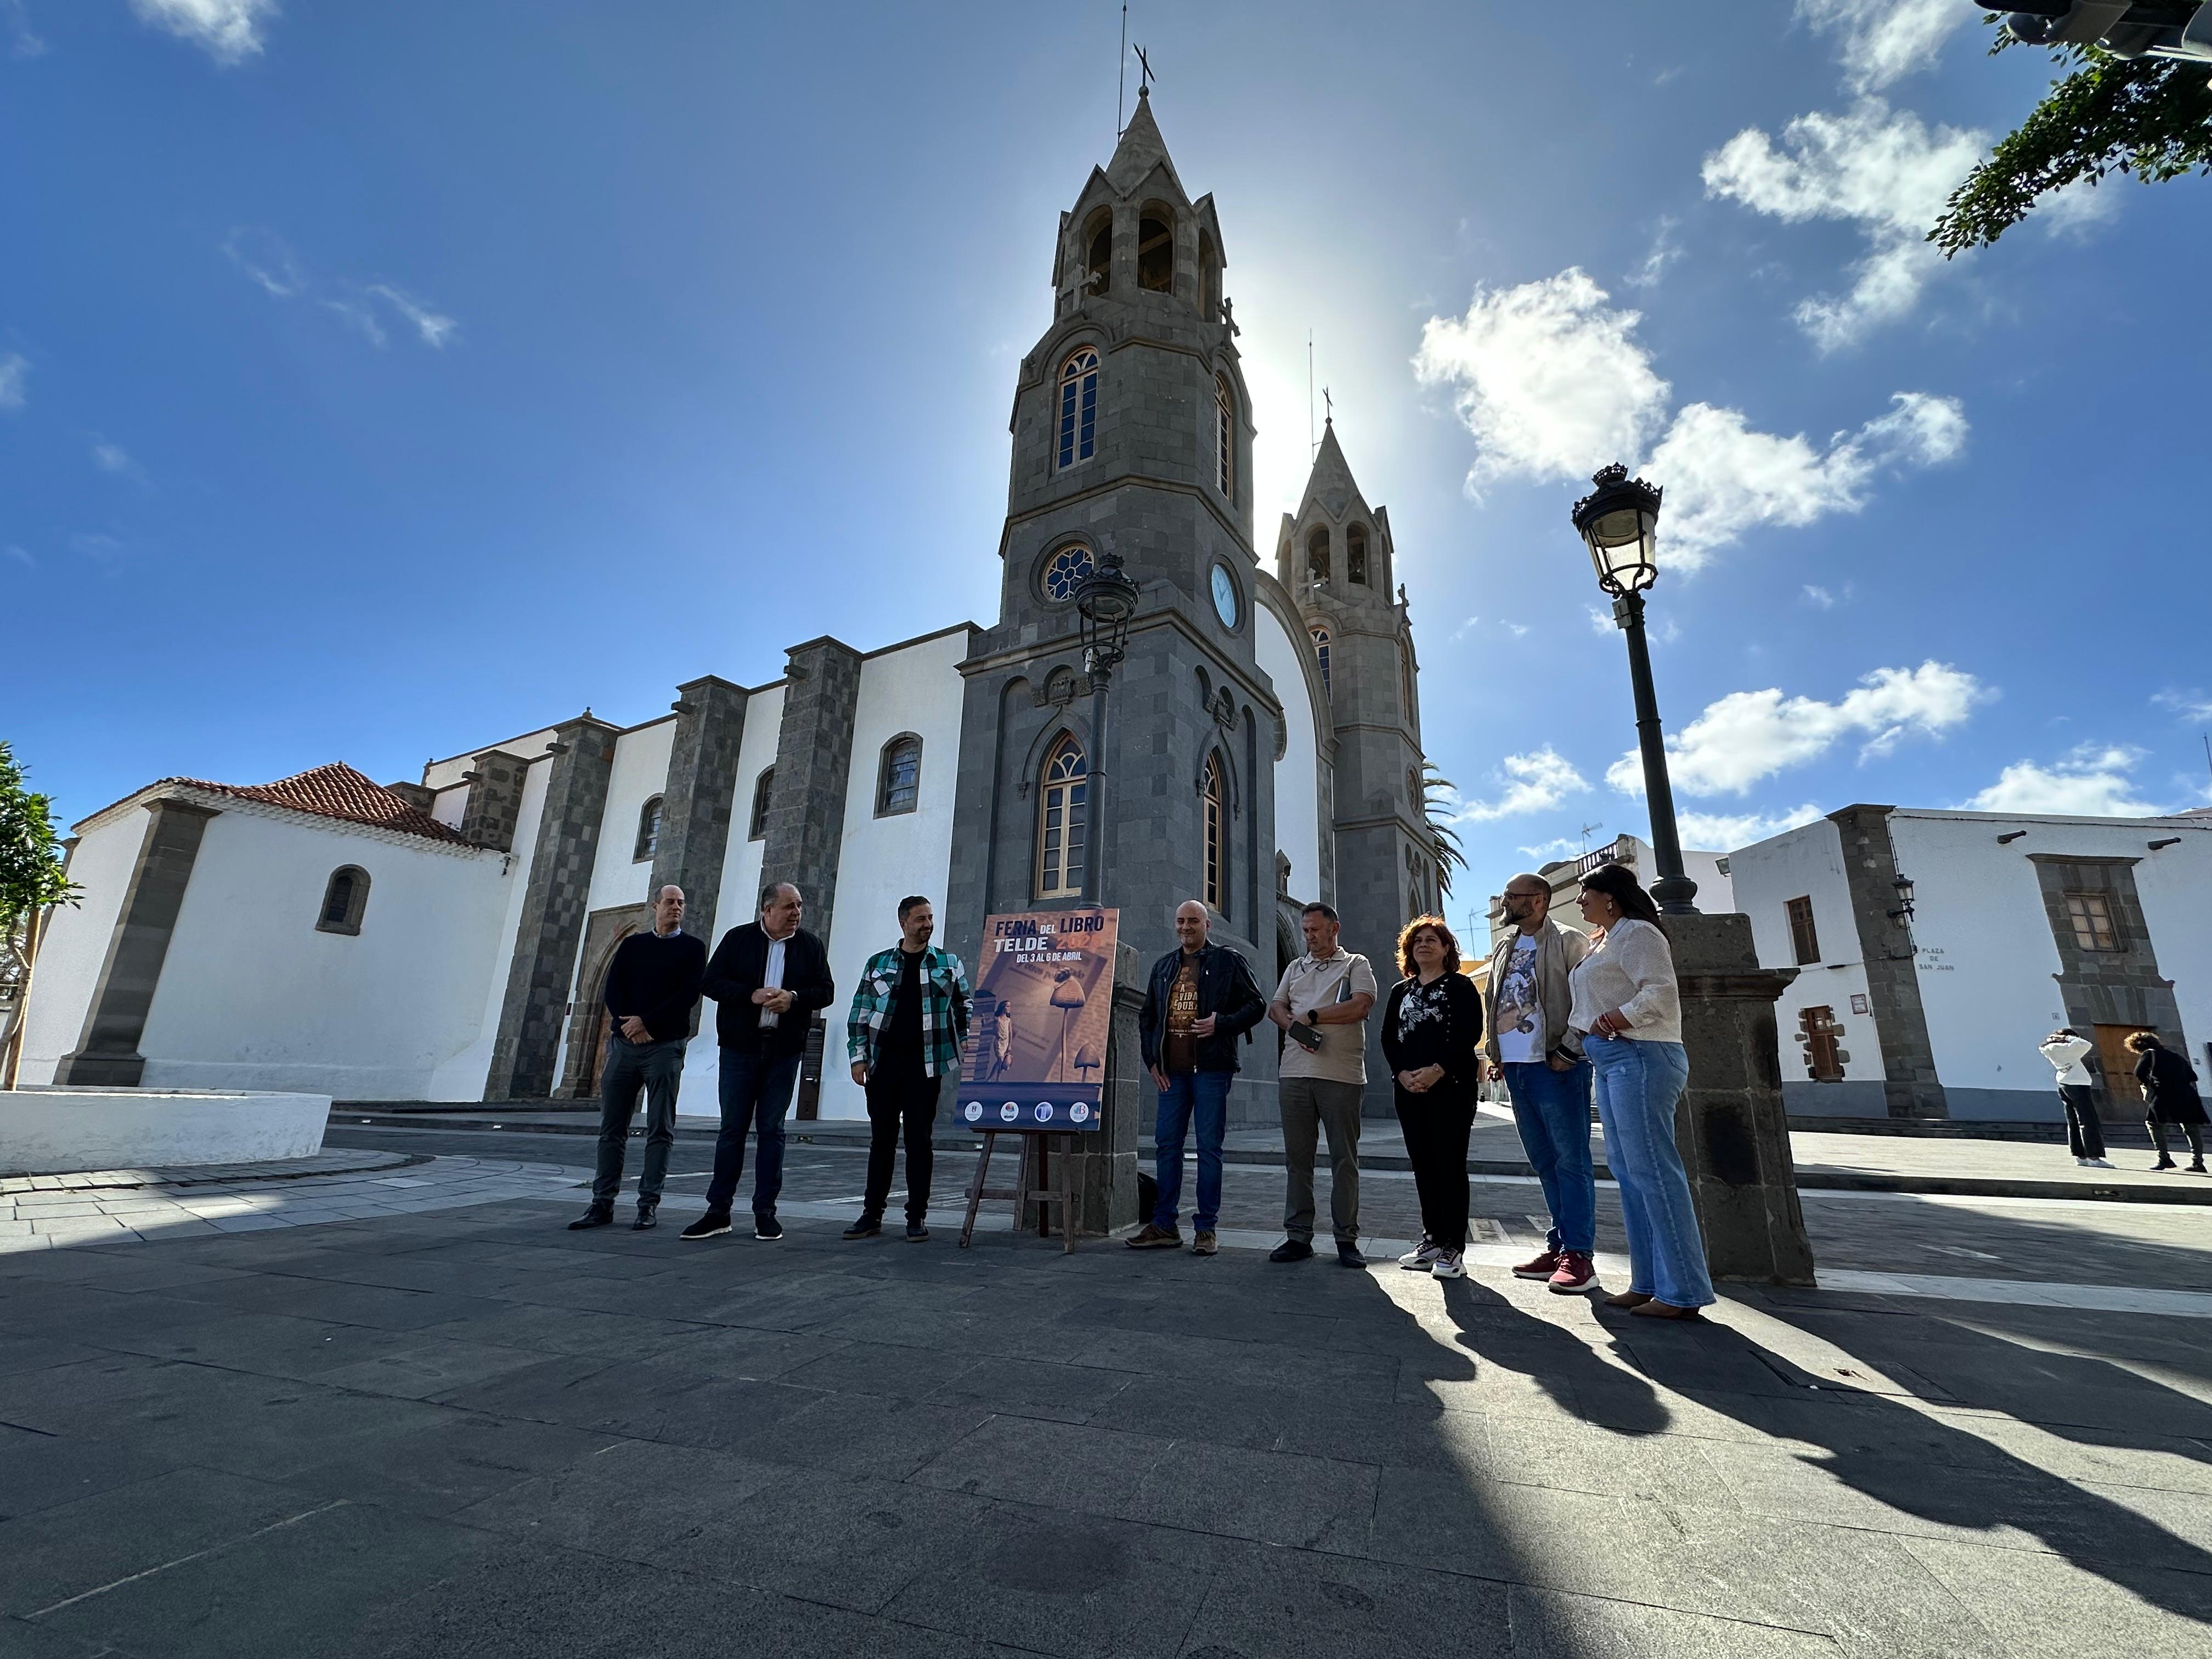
(1438, 793)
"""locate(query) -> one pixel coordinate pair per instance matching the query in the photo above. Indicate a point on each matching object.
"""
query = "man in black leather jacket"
(1201, 998)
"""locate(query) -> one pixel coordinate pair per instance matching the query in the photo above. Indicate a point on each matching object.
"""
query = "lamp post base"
(1673, 895)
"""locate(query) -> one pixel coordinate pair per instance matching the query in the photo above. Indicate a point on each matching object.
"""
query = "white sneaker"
(2096, 1164)
(2084, 1162)
(1448, 1264)
(1419, 1259)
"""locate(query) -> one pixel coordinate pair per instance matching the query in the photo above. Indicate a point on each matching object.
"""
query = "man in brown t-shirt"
(1323, 1004)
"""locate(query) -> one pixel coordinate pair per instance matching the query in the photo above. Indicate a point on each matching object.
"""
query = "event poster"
(1037, 1036)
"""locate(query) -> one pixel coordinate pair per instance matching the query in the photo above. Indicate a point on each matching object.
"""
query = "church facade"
(446, 938)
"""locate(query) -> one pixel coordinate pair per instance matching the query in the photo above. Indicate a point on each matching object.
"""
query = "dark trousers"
(756, 1088)
(2191, 1132)
(2085, 1136)
(900, 1100)
(1436, 1126)
(657, 1069)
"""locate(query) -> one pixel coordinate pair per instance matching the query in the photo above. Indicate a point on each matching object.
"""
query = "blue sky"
(379, 381)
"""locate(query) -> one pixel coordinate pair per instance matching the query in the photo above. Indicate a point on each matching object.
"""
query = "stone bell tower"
(1335, 554)
(1132, 435)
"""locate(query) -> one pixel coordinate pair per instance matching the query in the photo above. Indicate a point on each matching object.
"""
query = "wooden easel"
(1033, 1155)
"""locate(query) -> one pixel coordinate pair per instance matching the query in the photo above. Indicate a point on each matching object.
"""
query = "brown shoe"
(1627, 1300)
(1149, 1237)
(1652, 1308)
(1542, 1266)
(1203, 1243)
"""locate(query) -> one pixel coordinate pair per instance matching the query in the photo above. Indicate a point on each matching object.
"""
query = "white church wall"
(918, 688)
(443, 774)
(254, 996)
(640, 772)
(1297, 775)
(461, 1077)
(740, 892)
(451, 805)
(75, 945)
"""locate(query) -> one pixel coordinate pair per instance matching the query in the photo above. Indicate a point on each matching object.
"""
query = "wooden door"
(2122, 1092)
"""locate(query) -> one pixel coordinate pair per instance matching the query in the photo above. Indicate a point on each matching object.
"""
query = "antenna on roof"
(1588, 831)
(1122, 77)
(1310, 425)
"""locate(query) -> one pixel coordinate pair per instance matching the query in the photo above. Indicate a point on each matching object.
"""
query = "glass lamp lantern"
(1106, 599)
(1618, 521)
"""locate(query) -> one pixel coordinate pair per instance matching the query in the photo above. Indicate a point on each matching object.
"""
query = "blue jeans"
(752, 1085)
(1552, 1111)
(1204, 1096)
(1638, 1085)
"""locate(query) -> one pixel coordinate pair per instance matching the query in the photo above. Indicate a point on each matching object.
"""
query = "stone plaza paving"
(453, 1427)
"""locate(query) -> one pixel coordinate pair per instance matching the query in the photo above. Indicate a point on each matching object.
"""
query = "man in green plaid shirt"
(908, 1019)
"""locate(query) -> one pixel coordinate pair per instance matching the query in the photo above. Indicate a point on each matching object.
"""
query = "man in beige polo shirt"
(1323, 1005)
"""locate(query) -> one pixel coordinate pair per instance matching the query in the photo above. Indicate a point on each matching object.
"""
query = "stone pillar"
(813, 760)
(106, 1054)
(418, 796)
(553, 907)
(699, 796)
(1730, 1125)
(1911, 1086)
(494, 803)
(1106, 1161)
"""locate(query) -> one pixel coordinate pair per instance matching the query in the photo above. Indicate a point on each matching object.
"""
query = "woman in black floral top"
(1432, 1030)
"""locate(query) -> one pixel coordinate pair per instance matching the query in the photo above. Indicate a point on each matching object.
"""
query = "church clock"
(1224, 596)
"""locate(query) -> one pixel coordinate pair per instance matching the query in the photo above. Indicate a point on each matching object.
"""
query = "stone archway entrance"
(588, 1023)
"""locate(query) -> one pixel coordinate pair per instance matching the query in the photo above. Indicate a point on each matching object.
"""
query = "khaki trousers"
(1311, 1104)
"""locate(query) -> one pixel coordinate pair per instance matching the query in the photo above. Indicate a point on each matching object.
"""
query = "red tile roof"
(337, 791)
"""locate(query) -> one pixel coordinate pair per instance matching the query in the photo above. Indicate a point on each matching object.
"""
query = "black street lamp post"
(1618, 521)
(1106, 599)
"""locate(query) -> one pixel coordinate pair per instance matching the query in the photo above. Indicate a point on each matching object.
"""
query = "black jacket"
(1453, 1042)
(1225, 990)
(656, 978)
(2169, 1086)
(739, 967)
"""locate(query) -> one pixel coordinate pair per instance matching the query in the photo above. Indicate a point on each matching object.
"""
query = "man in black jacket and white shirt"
(653, 986)
(768, 978)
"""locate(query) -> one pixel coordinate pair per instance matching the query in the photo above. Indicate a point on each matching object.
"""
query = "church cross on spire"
(1144, 75)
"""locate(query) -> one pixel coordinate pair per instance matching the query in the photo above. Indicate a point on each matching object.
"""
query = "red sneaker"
(1576, 1272)
(1542, 1267)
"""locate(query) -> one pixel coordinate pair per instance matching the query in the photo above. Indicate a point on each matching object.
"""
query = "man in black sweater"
(768, 978)
(653, 986)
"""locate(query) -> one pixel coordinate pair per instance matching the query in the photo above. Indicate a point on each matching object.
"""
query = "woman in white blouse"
(1630, 1011)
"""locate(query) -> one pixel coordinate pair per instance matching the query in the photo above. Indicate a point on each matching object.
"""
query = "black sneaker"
(713, 1224)
(646, 1220)
(1348, 1255)
(916, 1233)
(868, 1226)
(1291, 1249)
(594, 1217)
(767, 1226)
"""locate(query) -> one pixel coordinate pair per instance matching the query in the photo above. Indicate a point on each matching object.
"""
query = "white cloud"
(1724, 832)
(1664, 251)
(266, 256)
(2189, 705)
(20, 556)
(1533, 783)
(1518, 630)
(1747, 736)
(114, 459)
(2091, 781)
(1884, 40)
(15, 370)
(1885, 171)
(1559, 847)
(1601, 619)
(355, 315)
(22, 43)
(229, 30)
(1552, 382)
(429, 323)
(1817, 595)
(101, 550)
(1464, 629)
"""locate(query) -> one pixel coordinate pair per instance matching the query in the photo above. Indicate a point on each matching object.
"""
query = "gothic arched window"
(1224, 437)
(1156, 249)
(1355, 553)
(648, 831)
(1064, 572)
(345, 897)
(1098, 255)
(898, 781)
(764, 786)
(1062, 820)
(1217, 852)
(1078, 406)
(1321, 650)
(1317, 554)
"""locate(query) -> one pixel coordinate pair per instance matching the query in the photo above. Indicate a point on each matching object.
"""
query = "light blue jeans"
(1638, 1085)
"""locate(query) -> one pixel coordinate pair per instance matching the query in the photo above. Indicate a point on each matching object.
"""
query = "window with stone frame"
(1804, 940)
(1079, 407)
(648, 831)
(1224, 437)
(764, 786)
(1065, 571)
(1317, 554)
(345, 899)
(898, 781)
(1098, 253)
(1216, 850)
(1062, 820)
(1355, 554)
(1321, 638)
(2095, 928)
